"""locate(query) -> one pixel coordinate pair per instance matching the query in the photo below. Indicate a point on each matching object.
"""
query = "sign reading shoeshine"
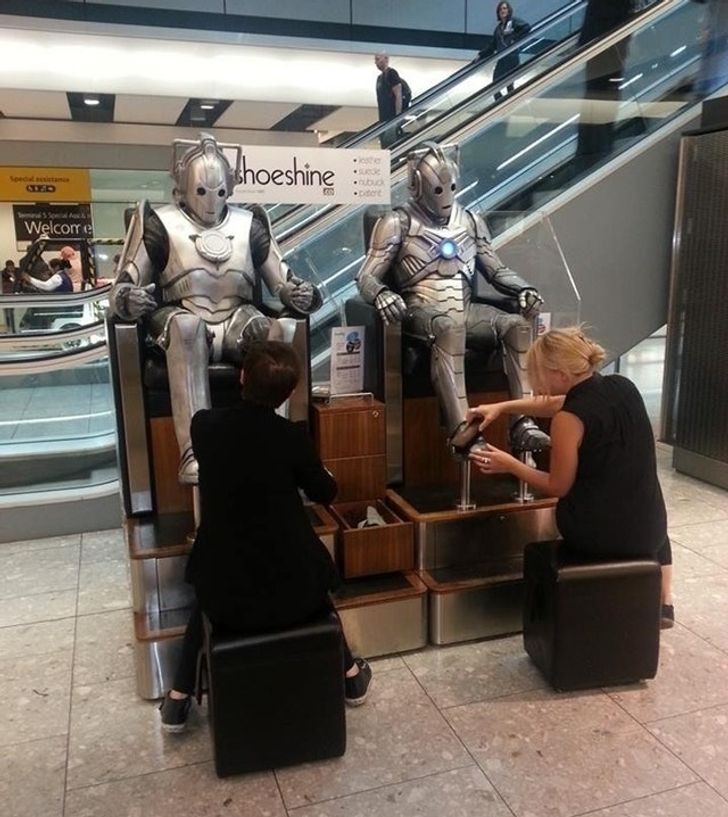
(44, 184)
(285, 175)
(65, 221)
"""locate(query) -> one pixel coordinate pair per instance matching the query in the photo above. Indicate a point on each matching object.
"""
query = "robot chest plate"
(441, 252)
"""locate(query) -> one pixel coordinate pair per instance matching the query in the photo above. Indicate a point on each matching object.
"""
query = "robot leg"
(447, 369)
(246, 326)
(186, 342)
(525, 435)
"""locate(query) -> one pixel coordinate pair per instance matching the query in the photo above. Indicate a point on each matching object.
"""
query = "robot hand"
(391, 307)
(138, 301)
(299, 295)
(528, 302)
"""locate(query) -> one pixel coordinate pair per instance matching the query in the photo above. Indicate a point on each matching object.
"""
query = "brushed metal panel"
(389, 627)
(156, 662)
(482, 612)
(174, 592)
(700, 467)
(476, 538)
(144, 588)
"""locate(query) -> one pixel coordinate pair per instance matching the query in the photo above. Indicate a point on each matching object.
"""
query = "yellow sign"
(44, 184)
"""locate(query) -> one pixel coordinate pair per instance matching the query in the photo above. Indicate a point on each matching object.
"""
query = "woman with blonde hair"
(603, 467)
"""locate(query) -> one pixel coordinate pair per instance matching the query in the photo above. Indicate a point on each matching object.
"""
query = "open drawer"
(387, 548)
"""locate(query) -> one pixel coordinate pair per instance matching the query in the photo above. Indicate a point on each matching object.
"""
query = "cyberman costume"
(428, 252)
(192, 267)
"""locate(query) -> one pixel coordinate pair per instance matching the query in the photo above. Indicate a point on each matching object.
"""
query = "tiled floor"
(463, 731)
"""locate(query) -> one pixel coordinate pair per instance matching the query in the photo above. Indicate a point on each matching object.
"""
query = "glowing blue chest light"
(448, 248)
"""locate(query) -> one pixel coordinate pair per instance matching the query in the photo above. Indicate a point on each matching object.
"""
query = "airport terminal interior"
(502, 686)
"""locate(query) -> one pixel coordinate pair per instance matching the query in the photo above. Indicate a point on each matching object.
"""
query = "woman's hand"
(486, 413)
(491, 460)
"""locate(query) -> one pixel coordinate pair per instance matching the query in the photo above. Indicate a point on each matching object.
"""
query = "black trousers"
(186, 674)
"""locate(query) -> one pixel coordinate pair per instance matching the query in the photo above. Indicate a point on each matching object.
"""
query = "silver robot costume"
(191, 269)
(420, 268)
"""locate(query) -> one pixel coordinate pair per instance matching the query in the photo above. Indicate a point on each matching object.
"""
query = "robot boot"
(466, 438)
(526, 436)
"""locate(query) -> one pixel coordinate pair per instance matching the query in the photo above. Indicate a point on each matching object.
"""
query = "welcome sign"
(64, 221)
(285, 175)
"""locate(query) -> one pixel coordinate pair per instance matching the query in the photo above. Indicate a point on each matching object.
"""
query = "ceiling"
(150, 80)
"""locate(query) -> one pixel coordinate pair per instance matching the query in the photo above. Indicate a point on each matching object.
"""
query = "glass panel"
(57, 429)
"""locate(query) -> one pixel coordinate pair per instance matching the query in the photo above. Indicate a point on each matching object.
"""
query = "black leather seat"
(276, 699)
(590, 623)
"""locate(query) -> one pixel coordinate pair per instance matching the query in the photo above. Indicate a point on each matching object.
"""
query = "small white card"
(543, 323)
(347, 359)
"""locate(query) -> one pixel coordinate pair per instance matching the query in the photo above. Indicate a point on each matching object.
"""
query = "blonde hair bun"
(567, 350)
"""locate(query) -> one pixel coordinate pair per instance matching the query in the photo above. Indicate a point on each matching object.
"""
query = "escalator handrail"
(39, 364)
(54, 299)
(18, 339)
(288, 240)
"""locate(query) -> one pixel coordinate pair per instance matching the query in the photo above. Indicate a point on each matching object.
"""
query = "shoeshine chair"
(590, 623)
(397, 369)
(158, 510)
(275, 699)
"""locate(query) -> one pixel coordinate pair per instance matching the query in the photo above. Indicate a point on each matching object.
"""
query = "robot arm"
(145, 252)
(500, 277)
(299, 295)
(384, 245)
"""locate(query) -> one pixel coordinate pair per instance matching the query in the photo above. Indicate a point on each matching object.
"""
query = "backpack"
(406, 94)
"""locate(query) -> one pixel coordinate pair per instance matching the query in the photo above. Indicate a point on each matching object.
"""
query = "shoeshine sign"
(284, 175)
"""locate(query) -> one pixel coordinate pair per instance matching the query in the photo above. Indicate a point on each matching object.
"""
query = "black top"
(508, 32)
(386, 82)
(615, 506)
(256, 562)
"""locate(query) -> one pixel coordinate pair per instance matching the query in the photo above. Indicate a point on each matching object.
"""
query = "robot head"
(433, 180)
(204, 179)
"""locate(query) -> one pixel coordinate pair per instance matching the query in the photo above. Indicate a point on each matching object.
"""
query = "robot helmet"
(204, 179)
(433, 179)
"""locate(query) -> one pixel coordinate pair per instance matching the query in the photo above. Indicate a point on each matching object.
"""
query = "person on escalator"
(604, 78)
(393, 96)
(509, 30)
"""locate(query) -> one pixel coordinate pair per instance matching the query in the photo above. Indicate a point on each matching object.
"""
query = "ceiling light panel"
(88, 63)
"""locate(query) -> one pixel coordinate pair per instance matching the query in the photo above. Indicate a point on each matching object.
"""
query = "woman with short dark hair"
(257, 564)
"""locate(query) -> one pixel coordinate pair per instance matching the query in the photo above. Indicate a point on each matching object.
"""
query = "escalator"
(589, 144)
(547, 44)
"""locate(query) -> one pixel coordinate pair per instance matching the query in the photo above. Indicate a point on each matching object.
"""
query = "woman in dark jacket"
(509, 30)
(256, 564)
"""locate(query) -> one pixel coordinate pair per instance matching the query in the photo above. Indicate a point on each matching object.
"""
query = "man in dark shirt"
(390, 95)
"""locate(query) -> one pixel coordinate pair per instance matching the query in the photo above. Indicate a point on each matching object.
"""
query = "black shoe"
(525, 435)
(357, 687)
(667, 617)
(174, 713)
(465, 436)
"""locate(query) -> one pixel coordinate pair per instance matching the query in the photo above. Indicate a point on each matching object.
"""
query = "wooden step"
(378, 590)
(161, 625)
(472, 576)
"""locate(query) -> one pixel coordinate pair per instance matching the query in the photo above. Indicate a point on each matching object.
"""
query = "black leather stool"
(590, 623)
(275, 699)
